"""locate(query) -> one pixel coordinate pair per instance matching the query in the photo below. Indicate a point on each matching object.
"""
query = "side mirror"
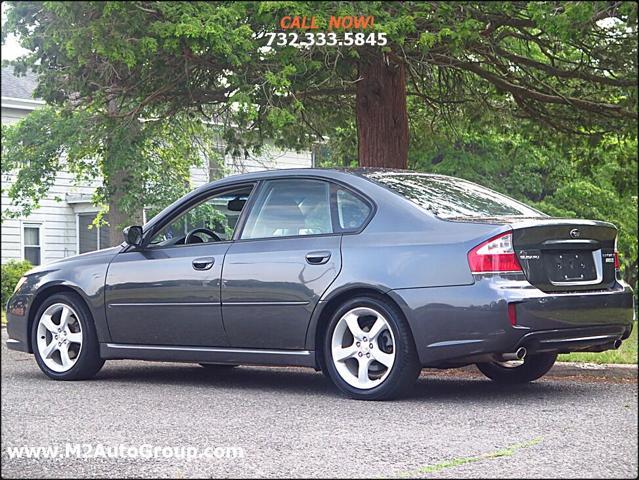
(133, 235)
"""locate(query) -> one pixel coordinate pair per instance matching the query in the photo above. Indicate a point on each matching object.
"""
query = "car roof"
(284, 172)
(331, 173)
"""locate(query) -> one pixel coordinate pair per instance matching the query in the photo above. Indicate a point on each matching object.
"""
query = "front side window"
(287, 208)
(449, 197)
(32, 247)
(211, 220)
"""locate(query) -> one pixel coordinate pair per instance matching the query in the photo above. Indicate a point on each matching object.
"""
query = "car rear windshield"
(449, 197)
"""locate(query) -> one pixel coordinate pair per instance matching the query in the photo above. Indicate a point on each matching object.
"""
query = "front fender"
(82, 274)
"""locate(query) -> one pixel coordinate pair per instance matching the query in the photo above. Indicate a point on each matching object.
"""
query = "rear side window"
(352, 211)
(449, 197)
(288, 208)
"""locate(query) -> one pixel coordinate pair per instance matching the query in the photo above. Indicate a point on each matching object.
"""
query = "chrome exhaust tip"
(616, 344)
(519, 354)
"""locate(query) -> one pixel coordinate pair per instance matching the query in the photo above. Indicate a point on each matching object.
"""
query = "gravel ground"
(292, 422)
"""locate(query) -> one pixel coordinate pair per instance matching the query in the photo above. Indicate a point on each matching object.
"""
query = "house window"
(90, 237)
(32, 244)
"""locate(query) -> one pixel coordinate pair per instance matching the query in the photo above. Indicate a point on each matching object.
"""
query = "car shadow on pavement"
(460, 389)
(290, 380)
(306, 381)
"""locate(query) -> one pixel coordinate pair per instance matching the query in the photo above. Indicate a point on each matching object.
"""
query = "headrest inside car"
(236, 205)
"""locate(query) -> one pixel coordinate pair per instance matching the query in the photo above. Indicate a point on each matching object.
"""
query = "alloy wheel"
(363, 348)
(59, 337)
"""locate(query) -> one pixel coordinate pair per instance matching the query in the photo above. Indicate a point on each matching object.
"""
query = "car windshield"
(449, 197)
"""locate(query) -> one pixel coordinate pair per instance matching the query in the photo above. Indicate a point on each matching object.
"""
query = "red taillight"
(617, 263)
(512, 313)
(494, 255)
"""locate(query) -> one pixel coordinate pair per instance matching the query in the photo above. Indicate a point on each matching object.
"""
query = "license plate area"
(571, 267)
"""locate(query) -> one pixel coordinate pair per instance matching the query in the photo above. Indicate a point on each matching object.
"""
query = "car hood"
(105, 255)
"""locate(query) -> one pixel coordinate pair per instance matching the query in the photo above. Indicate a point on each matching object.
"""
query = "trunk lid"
(561, 255)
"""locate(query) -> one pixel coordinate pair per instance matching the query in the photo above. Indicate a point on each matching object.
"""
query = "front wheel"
(64, 341)
(532, 368)
(369, 352)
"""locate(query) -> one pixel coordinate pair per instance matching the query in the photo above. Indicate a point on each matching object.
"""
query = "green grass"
(627, 353)
(455, 462)
(4, 317)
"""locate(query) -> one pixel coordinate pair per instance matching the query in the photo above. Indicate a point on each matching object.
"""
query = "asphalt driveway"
(291, 422)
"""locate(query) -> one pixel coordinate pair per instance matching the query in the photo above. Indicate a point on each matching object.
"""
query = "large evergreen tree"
(570, 65)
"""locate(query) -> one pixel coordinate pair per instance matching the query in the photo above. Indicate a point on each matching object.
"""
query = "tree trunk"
(382, 119)
(116, 177)
(118, 219)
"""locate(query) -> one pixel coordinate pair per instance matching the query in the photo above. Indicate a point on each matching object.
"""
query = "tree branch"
(622, 82)
(596, 107)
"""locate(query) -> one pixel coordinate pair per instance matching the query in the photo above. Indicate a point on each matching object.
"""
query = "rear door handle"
(318, 258)
(203, 263)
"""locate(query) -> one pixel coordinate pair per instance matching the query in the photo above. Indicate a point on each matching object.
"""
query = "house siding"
(11, 115)
(57, 220)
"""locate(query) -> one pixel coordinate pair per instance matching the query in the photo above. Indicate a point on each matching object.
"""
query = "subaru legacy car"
(366, 275)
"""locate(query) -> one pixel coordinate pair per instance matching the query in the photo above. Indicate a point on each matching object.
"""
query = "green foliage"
(571, 66)
(155, 156)
(11, 273)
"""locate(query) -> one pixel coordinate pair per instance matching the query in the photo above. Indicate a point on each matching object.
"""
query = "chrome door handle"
(318, 258)
(203, 263)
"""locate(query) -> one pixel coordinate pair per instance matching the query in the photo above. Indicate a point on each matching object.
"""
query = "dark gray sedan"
(366, 275)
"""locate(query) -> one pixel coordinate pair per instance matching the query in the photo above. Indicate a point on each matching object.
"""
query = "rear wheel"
(532, 368)
(369, 352)
(64, 341)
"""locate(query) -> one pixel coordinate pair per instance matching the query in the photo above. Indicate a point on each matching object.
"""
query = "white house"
(59, 227)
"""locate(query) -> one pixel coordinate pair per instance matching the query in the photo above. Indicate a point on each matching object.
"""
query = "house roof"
(18, 87)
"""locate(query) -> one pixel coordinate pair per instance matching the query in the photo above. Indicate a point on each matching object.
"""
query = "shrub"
(11, 273)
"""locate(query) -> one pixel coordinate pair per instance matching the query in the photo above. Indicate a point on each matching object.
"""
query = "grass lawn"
(4, 317)
(627, 353)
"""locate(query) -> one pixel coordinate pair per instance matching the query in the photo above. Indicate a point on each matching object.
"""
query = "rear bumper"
(591, 339)
(456, 324)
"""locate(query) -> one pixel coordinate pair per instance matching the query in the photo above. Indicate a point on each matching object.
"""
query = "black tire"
(534, 367)
(88, 361)
(406, 367)
(217, 366)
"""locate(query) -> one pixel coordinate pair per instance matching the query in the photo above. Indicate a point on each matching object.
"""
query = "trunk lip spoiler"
(516, 223)
(559, 222)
